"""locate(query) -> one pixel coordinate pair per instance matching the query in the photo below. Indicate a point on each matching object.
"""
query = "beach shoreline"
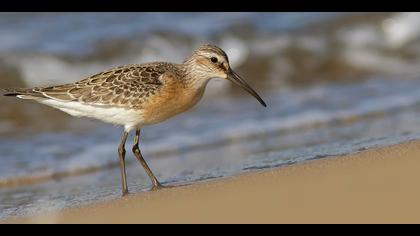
(373, 186)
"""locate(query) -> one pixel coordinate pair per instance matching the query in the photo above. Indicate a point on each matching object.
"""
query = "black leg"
(121, 154)
(137, 153)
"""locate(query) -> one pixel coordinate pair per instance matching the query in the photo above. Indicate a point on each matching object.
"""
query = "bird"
(138, 95)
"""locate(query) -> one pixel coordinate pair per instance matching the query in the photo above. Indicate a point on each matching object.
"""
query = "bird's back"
(126, 86)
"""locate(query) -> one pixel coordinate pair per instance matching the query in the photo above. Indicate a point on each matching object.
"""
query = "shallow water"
(51, 161)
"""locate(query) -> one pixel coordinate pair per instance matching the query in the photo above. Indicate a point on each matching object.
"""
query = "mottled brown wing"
(127, 86)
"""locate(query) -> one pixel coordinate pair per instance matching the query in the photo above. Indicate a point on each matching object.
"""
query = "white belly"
(119, 116)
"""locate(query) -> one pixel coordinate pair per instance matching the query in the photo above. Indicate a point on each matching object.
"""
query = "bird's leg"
(137, 153)
(121, 154)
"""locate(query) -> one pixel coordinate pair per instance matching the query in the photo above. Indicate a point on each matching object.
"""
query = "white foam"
(401, 29)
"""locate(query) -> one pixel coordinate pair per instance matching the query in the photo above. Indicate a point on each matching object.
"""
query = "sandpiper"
(138, 95)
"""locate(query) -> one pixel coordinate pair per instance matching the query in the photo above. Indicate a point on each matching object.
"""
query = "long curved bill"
(236, 79)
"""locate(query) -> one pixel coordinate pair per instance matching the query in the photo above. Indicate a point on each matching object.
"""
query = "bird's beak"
(236, 79)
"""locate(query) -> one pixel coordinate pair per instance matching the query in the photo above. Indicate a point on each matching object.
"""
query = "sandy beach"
(373, 186)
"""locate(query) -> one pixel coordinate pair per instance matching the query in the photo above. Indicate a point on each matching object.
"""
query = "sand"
(373, 186)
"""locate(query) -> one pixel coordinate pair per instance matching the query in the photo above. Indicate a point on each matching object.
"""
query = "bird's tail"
(10, 92)
(24, 93)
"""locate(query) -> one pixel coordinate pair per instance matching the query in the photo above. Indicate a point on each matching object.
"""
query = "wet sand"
(373, 186)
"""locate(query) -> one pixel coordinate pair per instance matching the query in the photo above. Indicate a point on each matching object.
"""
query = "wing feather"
(123, 86)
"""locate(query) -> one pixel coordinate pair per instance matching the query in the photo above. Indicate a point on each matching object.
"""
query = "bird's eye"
(213, 59)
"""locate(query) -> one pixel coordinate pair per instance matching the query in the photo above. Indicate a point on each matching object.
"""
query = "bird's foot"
(124, 193)
(159, 187)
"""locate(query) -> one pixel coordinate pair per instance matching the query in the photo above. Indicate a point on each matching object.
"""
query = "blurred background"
(334, 83)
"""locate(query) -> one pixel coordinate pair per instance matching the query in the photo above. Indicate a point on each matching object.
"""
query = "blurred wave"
(271, 48)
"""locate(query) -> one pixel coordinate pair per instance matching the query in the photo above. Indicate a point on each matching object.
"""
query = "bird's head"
(209, 61)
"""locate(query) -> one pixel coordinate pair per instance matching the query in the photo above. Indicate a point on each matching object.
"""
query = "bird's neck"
(194, 78)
